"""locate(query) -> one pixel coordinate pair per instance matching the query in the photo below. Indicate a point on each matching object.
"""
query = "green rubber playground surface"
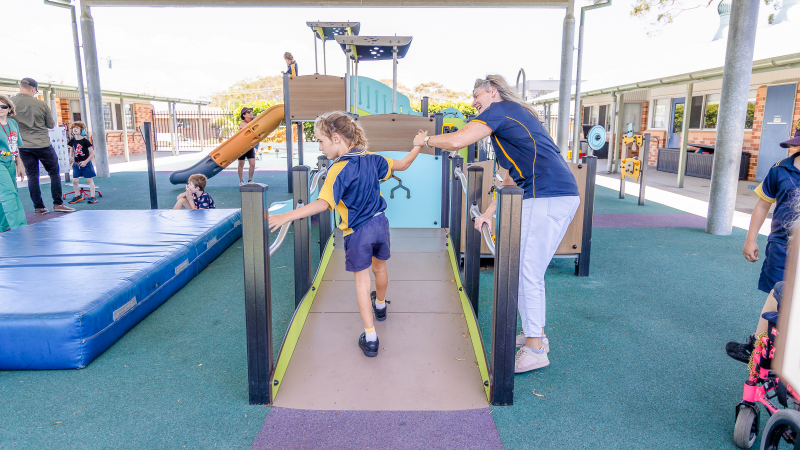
(637, 358)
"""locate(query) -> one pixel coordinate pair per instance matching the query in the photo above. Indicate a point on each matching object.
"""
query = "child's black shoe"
(380, 314)
(741, 352)
(369, 348)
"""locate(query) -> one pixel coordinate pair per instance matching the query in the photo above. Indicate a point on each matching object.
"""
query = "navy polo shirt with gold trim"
(291, 69)
(523, 146)
(352, 186)
(780, 186)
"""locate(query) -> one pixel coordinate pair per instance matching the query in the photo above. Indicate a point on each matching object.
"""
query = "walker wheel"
(783, 426)
(746, 429)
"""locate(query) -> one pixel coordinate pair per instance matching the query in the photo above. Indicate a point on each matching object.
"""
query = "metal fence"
(193, 131)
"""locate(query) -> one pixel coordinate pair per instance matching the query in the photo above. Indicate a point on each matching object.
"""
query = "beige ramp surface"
(426, 360)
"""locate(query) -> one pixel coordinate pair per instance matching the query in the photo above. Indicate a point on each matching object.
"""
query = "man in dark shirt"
(35, 118)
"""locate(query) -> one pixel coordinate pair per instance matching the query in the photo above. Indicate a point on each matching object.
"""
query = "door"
(777, 127)
(676, 123)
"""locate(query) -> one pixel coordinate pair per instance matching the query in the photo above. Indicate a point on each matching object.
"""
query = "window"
(602, 115)
(75, 110)
(660, 107)
(751, 110)
(107, 116)
(595, 120)
(608, 119)
(129, 117)
(712, 108)
(587, 114)
(697, 111)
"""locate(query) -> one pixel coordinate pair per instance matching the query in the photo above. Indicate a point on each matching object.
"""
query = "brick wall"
(116, 146)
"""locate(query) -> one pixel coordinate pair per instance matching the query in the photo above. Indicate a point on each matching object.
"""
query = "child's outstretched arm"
(404, 163)
(760, 212)
(316, 207)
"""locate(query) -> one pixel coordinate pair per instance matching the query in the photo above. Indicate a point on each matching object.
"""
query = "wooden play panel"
(426, 359)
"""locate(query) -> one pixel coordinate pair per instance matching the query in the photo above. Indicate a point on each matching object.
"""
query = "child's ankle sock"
(380, 304)
(371, 334)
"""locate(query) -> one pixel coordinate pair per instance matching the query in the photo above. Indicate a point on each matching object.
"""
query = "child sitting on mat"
(195, 196)
(352, 187)
(81, 154)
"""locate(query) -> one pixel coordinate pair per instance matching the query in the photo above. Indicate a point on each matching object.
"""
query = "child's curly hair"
(345, 126)
(80, 125)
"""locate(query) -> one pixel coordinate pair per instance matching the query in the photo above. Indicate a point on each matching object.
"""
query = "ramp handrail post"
(445, 188)
(472, 249)
(324, 216)
(582, 265)
(151, 168)
(257, 292)
(643, 154)
(506, 285)
(302, 232)
(456, 213)
(287, 114)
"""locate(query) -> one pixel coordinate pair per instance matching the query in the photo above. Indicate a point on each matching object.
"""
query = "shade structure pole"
(565, 79)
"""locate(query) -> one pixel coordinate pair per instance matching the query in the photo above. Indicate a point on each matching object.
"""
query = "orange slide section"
(230, 150)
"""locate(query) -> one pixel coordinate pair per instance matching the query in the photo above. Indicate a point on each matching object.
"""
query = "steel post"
(732, 113)
(643, 154)
(316, 58)
(324, 58)
(394, 80)
(472, 237)
(302, 233)
(565, 80)
(287, 113)
(445, 204)
(456, 213)
(577, 122)
(355, 88)
(201, 127)
(125, 129)
(506, 287)
(151, 168)
(79, 67)
(610, 139)
(347, 81)
(300, 137)
(438, 123)
(618, 134)
(257, 293)
(582, 263)
(325, 216)
(95, 92)
(687, 115)
(424, 106)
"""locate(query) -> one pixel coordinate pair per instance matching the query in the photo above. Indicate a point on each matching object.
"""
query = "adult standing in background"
(34, 119)
(291, 64)
(12, 214)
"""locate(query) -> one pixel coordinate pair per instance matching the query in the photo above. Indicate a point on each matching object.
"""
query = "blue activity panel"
(424, 183)
(72, 286)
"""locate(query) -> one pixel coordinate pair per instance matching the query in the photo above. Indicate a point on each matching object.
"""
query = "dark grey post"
(506, 285)
(439, 118)
(445, 188)
(287, 114)
(643, 154)
(324, 216)
(424, 106)
(582, 264)
(471, 147)
(300, 136)
(257, 295)
(151, 168)
(456, 213)
(302, 231)
(472, 249)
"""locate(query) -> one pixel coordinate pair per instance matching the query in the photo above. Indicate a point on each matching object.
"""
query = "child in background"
(195, 196)
(81, 154)
(352, 187)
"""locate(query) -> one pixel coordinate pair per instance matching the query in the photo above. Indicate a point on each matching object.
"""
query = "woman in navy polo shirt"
(550, 199)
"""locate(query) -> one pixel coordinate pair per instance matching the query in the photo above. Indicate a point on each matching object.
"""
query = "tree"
(663, 12)
(434, 91)
(268, 89)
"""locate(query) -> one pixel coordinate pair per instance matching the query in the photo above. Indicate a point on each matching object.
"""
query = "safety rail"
(257, 254)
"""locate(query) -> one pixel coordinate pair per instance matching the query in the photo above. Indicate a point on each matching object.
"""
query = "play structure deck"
(126, 264)
(427, 360)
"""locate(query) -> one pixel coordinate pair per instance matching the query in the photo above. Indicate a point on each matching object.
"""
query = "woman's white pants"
(544, 223)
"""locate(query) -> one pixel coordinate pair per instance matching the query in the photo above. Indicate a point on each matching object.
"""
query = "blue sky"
(194, 52)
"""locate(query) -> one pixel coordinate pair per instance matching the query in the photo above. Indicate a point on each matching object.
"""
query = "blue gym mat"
(71, 286)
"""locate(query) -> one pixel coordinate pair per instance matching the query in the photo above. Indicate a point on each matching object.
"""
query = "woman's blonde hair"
(289, 56)
(7, 101)
(345, 126)
(506, 93)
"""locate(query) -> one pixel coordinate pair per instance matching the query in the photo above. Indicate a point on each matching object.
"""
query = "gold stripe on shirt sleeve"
(762, 195)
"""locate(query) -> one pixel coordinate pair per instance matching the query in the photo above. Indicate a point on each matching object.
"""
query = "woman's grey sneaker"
(369, 348)
(63, 208)
(526, 360)
(545, 342)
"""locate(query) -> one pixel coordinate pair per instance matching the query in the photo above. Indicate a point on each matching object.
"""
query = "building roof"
(774, 50)
(13, 82)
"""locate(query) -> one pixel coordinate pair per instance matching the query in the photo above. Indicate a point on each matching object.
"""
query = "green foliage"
(751, 112)
(677, 121)
(434, 107)
(711, 116)
(250, 90)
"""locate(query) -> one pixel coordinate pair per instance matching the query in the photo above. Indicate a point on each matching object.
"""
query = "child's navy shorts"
(85, 172)
(773, 267)
(371, 239)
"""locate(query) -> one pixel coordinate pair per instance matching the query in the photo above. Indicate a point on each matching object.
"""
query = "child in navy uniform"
(195, 196)
(81, 154)
(352, 187)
